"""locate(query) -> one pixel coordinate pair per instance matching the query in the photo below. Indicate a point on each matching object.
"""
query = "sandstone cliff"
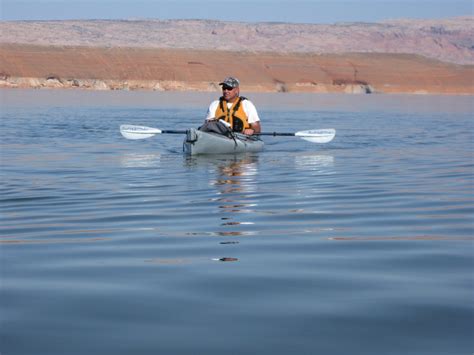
(396, 56)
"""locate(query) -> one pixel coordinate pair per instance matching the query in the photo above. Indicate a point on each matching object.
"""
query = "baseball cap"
(230, 82)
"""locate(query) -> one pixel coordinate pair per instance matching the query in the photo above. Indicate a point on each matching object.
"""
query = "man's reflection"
(234, 180)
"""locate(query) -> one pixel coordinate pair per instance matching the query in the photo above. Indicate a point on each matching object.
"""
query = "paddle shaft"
(168, 131)
(274, 134)
(257, 134)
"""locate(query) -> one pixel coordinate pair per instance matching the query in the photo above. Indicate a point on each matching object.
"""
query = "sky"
(297, 11)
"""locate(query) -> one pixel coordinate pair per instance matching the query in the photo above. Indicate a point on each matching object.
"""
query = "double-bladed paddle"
(312, 135)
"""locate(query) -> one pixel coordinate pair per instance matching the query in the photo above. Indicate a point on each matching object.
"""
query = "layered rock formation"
(397, 56)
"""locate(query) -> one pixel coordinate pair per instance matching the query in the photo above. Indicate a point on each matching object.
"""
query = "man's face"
(229, 93)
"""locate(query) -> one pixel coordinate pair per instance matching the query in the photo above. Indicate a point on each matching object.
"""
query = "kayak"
(200, 142)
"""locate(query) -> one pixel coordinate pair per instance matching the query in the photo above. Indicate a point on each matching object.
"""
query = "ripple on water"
(367, 239)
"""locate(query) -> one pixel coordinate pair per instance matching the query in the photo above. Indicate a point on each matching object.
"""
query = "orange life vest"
(235, 115)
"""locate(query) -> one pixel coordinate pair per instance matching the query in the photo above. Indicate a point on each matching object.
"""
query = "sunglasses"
(228, 88)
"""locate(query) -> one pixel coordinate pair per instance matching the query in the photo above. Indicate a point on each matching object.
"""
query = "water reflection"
(236, 175)
(229, 188)
(140, 160)
(233, 179)
(317, 164)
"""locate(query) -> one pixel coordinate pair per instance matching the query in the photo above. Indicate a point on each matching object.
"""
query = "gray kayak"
(199, 142)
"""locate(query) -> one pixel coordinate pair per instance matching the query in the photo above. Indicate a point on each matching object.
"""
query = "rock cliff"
(450, 40)
(390, 57)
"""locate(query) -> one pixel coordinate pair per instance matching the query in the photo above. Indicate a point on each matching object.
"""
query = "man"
(239, 112)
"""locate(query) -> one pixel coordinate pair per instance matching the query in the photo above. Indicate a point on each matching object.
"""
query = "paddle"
(313, 135)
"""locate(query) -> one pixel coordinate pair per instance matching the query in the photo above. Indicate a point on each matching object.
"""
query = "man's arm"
(211, 111)
(254, 120)
(255, 128)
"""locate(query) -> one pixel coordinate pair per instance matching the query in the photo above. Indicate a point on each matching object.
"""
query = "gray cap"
(231, 82)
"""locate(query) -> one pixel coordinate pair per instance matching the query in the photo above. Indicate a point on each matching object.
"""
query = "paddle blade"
(317, 135)
(138, 132)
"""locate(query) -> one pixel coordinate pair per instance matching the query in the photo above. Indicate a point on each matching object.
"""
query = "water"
(360, 246)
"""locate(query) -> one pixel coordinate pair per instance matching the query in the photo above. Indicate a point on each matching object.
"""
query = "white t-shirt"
(249, 109)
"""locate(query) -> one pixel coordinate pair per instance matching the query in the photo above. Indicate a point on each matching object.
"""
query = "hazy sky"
(307, 11)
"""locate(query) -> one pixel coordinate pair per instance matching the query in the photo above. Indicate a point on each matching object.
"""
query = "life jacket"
(235, 116)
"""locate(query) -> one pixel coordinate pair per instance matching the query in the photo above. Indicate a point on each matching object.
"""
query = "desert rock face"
(396, 56)
(450, 40)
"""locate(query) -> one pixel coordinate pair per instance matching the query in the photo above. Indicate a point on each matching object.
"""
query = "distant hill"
(448, 40)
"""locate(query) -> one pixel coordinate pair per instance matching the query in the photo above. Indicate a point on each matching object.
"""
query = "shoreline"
(98, 85)
(152, 69)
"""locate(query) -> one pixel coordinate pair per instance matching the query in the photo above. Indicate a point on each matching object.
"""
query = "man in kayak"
(239, 112)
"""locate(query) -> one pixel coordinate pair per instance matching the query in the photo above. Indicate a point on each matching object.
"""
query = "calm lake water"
(360, 246)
